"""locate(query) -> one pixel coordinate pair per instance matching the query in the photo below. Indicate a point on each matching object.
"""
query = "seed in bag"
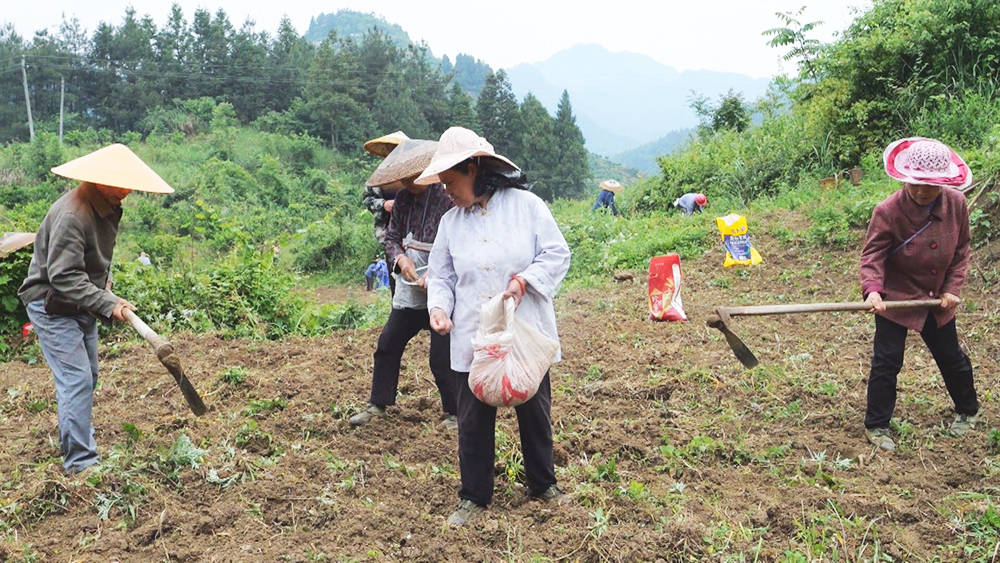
(665, 289)
(739, 250)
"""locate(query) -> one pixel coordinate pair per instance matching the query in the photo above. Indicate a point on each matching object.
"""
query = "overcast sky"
(721, 35)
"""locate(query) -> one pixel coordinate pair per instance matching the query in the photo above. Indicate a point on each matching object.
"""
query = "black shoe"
(466, 512)
(554, 494)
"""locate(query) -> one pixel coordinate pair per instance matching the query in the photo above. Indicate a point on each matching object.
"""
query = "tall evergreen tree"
(13, 117)
(395, 109)
(571, 172)
(427, 87)
(540, 147)
(170, 48)
(460, 110)
(498, 115)
(288, 62)
(331, 95)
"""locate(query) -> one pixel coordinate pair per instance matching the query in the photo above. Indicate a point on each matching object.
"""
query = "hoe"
(720, 319)
(165, 353)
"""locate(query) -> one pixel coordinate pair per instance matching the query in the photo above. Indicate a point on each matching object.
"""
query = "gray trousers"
(69, 344)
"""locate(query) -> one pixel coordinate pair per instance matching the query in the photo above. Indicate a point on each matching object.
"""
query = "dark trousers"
(887, 360)
(477, 448)
(402, 326)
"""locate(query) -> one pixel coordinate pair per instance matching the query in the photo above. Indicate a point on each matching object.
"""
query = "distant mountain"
(469, 72)
(643, 157)
(348, 23)
(603, 168)
(624, 100)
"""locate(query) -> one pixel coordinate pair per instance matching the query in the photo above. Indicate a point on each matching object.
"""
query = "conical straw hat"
(383, 145)
(12, 242)
(407, 160)
(612, 186)
(114, 165)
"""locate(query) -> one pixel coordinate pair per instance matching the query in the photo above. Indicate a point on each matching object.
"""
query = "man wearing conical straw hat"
(69, 284)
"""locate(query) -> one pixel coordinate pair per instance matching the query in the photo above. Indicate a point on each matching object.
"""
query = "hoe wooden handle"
(165, 353)
(821, 307)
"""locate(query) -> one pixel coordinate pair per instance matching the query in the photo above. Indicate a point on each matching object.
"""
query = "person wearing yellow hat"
(606, 197)
(69, 284)
(378, 201)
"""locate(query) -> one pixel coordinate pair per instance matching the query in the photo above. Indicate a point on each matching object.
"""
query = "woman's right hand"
(440, 322)
(387, 205)
(874, 302)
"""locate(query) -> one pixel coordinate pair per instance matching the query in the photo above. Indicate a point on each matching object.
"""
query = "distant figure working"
(377, 274)
(691, 202)
(607, 196)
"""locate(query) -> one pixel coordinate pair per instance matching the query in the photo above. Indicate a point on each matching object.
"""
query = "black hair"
(492, 175)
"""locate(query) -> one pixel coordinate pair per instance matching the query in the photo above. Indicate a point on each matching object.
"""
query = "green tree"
(460, 110)
(331, 97)
(289, 59)
(497, 112)
(542, 149)
(571, 173)
(395, 109)
(898, 60)
(13, 119)
(794, 35)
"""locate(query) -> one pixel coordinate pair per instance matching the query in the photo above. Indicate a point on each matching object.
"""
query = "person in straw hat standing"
(917, 247)
(412, 230)
(606, 197)
(376, 200)
(500, 238)
(69, 284)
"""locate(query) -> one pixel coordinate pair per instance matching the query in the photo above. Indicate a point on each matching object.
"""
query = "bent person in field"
(917, 247)
(606, 197)
(69, 284)
(691, 203)
(412, 230)
(500, 238)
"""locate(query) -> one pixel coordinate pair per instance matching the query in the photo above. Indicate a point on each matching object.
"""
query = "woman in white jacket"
(499, 238)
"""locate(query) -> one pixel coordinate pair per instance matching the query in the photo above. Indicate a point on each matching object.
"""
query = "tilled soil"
(669, 448)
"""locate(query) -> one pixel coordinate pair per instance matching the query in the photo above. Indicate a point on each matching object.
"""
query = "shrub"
(13, 270)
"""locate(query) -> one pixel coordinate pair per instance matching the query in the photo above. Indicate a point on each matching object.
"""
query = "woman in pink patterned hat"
(917, 247)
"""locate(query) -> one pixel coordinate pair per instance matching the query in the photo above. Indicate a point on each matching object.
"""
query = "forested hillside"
(132, 77)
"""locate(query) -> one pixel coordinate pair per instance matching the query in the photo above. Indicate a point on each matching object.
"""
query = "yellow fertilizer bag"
(739, 250)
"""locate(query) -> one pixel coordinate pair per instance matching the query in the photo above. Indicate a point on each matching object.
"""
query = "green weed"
(234, 375)
(259, 406)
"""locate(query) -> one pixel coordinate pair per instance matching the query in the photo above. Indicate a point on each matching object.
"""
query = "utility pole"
(62, 99)
(27, 100)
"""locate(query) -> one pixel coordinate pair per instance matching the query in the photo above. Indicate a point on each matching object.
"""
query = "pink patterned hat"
(918, 160)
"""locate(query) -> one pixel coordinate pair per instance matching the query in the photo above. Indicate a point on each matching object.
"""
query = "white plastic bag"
(509, 358)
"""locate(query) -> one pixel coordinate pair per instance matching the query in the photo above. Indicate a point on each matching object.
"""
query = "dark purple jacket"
(419, 215)
(931, 264)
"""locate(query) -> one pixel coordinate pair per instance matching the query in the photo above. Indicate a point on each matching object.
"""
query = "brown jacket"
(73, 251)
(931, 264)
